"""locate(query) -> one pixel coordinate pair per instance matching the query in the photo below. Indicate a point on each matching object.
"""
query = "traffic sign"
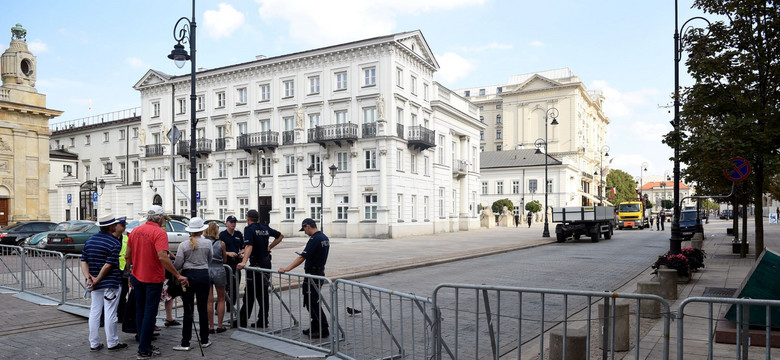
(70, 198)
(173, 135)
(197, 196)
(740, 171)
(94, 196)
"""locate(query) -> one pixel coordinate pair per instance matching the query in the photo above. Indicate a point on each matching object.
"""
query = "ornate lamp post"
(186, 34)
(322, 186)
(604, 152)
(551, 113)
(641, 182)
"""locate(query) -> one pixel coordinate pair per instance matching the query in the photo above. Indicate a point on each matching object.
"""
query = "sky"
(90, 53)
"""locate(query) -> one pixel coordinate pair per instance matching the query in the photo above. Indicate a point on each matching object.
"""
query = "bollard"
(649, 309)
(622, 338)
(697, 243)
(668, 280)
(576, 344)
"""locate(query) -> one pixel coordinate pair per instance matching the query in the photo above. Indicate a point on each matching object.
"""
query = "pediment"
(415, 42)
(537, 82)
(152, 77)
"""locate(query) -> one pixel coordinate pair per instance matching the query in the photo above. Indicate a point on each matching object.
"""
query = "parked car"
(17, 233)
(180, 218)
(689, 223)
(71, 240)
(220, 223)
(175, 230)
(726, 214)
(669, 213)
(40, 240)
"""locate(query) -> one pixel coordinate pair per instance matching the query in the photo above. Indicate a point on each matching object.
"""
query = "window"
(122, 135)
(342, 207)
(182, 106)
(222, 208)
(200, 133)
(289, 208)
(155, 109)
(289, 88)
(265, 125)
(341, 80)
(136, 175)
(467, 93)
(105, 136)
(87, 171)
(426, 163)
(498, 119)
(265, 94)
(425, 207)
(184, 208)
(201, 171)
(425, 92)
(243, 207)
(399, 155)
(342, 159)
(289, 164)
(87, 142)
(499, 147)
(265, 166)
(370, 159)
(498, 134)
(481, 92)
(414, 207)
(414, 120)
(532, 186)
(498, 106)
(202, 207)
(242, 128)
(314, 159)
(399, 77)
(481, 119)
(123, 171)
(370, 207)
(441, 149)
(400, 208)
(413, 85)
(135, 135)
(182, 172)
(220, 131)
(399, 115)
(481, 148)
(484, 188)
(499, 90)
(341, 117)
(314, 85)
(155, 138)
(289, 123)
(515, 186)
(201, 102)
(441, 202)
(315, 207)
(482, 134)
(369, 76)
(549, 186)
(220, 99)
(499, 187)
(369, 115)
(241, 100)
(221, 171)
(314, 120)
(243, 167)
(413, 163)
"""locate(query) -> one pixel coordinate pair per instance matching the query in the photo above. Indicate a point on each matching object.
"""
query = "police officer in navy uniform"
(258, 252)
(316, 255)
(234, 246)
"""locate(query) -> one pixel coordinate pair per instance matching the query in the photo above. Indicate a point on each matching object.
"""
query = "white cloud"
(537, 43)
(491, 46)
(320, 23)
(453, 67)
(222, 22)
(136, 63)
(620, 104)
(37, 47)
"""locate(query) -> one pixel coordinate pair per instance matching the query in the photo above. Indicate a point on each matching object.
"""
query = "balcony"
(369, 130)
(202, 147)
(260, 140)
(288, 137)
(399, 130)
(219, 144)
(420, 138)
(335, 133)
(459, 168)
(154, 150)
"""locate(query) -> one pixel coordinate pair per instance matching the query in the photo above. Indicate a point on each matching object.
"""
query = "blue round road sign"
(740, 171)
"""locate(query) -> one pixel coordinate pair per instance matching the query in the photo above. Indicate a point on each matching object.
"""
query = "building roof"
(657, 184)
(62, 154)
(514, 158)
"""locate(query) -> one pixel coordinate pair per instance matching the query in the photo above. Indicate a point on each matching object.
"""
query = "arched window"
(157, 200)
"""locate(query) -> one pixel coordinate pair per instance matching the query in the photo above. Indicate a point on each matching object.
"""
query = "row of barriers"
(457, 321)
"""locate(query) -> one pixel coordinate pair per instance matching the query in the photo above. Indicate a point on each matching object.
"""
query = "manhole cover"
(719, 292)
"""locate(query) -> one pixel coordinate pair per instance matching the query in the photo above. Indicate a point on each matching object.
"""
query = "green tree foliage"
(533, 206)
(498, 206)
(624, 185)
(732, 109)
(667, 204)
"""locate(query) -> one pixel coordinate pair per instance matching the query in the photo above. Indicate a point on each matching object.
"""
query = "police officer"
(234, 245)
(316, 255)
(258, 252)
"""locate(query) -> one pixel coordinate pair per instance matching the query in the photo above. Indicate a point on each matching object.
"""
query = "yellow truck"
(632, 214)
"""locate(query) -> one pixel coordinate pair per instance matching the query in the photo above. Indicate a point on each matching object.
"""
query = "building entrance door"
(3, 212)
(264, 208)
(87, 207)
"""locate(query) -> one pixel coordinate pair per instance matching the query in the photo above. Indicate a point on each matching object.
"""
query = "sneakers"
(148, 355)
(182, 348)
(221, 330)
(119, 346)
(205, 345)
(96, 348)
(169, 323)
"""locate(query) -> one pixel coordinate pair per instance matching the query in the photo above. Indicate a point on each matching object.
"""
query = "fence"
(11, 267)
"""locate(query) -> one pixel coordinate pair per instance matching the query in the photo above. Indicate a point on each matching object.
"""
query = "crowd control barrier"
(11, 267)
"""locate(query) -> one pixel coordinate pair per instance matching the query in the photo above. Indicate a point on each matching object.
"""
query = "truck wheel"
(594, 237)
(608, 235)
(577, 236)
(620, 228)
(560, 237)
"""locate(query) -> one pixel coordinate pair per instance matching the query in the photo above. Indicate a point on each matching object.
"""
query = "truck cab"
(632, 214)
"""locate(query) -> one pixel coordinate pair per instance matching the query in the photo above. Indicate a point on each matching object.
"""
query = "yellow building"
(24, 136)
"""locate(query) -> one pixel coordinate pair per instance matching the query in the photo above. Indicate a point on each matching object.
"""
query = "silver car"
(175, 230)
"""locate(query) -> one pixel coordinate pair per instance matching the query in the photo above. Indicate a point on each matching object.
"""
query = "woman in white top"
(192, 259)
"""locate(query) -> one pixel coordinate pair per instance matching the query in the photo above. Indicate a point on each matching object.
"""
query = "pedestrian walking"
(147, 256)
(517, 219)
(257, 251)
(192, 258)
(663, 220)
(234, 249)
(529, 217)
(316, 256)
(100, 267)
(658, 221)
(218, 277)
(652, 218)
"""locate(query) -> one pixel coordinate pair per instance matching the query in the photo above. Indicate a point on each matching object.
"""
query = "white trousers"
(109, 309)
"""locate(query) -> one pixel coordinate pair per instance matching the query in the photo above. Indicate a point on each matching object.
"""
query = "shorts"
(218, 275)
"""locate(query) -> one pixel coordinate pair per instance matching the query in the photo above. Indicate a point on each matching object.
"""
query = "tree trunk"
(758, 170)
(735, 218)
(744, 249)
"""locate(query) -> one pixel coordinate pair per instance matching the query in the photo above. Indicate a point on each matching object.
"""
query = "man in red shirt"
(147, 256)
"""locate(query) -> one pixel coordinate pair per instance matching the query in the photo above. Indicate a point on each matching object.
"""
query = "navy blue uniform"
(257, 284)
(233, 243)
(316, 255)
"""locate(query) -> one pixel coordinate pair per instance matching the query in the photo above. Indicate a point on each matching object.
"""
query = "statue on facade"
(299, 117)
(165, 129)
(229, 126)
(142, 137)
(380, 107)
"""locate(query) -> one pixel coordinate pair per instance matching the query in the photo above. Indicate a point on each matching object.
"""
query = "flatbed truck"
(591, 221)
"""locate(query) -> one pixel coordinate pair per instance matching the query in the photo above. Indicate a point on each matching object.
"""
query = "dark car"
(726, 215)
(39, 240)
(17, 233)
(72, 240)
(689, 223)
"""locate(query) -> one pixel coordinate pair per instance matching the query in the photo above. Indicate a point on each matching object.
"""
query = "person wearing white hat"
(192, 258)
(100, 266)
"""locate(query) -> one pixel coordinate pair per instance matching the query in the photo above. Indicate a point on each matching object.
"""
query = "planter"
(684, 279)
(737, 247)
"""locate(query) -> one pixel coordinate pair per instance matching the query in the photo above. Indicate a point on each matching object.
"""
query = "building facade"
(404, 148)
(24, 136)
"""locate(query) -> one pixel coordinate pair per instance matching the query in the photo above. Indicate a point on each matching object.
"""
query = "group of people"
(197, 267)
(659, 219)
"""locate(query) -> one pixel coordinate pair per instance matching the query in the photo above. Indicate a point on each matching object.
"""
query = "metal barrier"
(286, 302)
(72, 284)
(42, 274)
(378, 323)
(507, 328)
(742, 327)
(11, 267)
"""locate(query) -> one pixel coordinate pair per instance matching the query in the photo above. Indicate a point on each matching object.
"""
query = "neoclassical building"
(405, 149)
(24, 136)
(515, 115)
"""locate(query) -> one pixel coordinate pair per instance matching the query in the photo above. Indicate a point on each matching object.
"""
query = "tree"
(624, 185)
(498, 206)
(534, 206)
(732, 109)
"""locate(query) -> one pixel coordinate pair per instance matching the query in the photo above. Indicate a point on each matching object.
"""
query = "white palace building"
(404, 148)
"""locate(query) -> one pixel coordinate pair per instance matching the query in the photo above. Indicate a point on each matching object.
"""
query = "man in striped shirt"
(102, 278)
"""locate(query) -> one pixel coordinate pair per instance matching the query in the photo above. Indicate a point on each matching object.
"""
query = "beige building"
(24, 136)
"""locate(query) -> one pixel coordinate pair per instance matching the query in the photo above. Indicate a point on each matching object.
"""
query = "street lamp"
(186, 34)
(322, 186)
(551, 113)
(641, 182)
(675, 242)
(604, 152)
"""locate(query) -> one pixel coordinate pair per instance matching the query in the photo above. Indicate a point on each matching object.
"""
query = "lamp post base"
(546, 232)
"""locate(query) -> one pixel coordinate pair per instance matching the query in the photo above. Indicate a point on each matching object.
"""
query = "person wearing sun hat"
(192, 258)
(100, 267)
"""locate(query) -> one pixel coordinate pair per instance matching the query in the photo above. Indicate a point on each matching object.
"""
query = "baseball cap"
(122, 220)
(231, 218)
(155, 210)
(308, 221)
(252, 214)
